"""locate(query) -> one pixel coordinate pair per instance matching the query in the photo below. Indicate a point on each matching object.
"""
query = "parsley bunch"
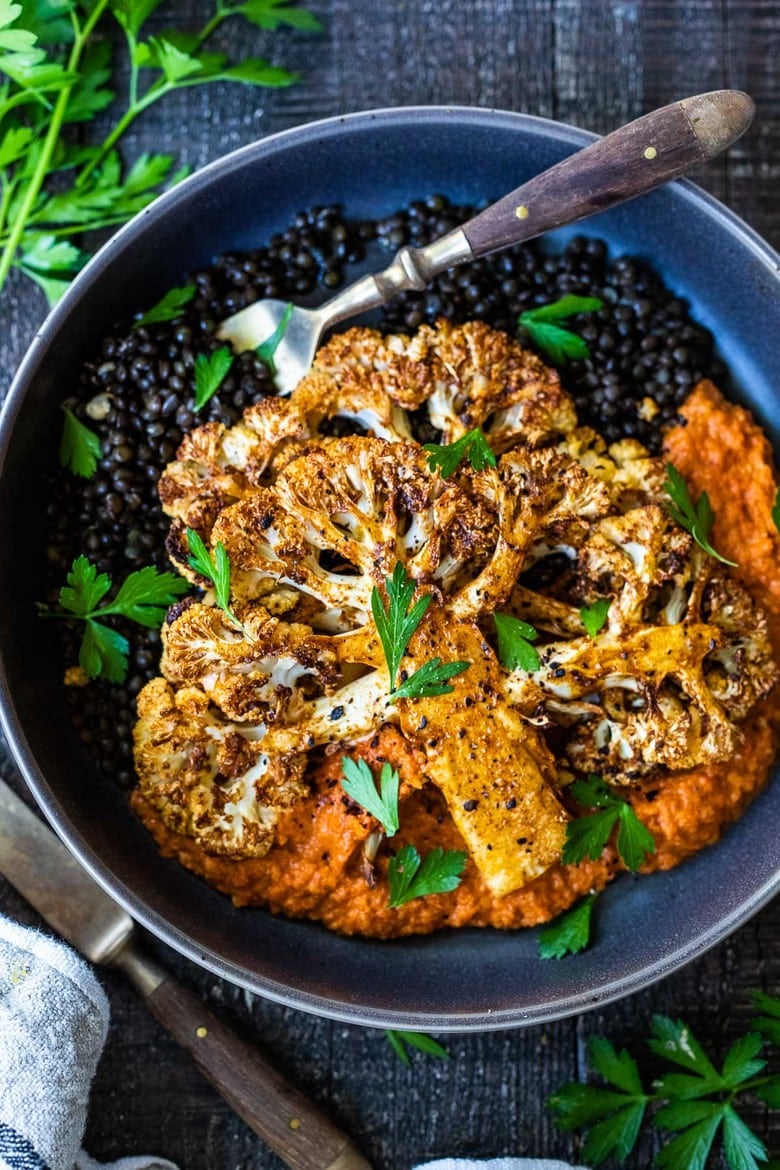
(696, 1105)
(57, 70)
(143, 597)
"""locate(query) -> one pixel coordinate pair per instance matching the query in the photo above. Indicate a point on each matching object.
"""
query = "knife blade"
(53, 882)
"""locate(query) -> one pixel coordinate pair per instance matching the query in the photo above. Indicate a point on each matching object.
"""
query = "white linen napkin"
(53, 1025)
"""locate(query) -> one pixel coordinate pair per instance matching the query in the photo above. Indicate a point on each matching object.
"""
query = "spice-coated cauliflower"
(314, 524)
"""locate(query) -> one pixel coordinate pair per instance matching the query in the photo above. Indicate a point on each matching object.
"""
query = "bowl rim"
(11, 723)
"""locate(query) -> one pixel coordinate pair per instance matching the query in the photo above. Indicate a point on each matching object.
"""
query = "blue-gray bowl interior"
(371, 164)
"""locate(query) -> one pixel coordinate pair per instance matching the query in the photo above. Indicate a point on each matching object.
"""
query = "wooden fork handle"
(287, 1121)
(628, 162)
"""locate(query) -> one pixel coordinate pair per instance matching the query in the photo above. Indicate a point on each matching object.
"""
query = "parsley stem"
(156, 91)
(38, 177)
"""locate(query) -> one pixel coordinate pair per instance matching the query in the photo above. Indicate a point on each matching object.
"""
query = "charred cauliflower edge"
(312, 522)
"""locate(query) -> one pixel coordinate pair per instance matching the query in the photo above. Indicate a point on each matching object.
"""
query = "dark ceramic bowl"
(372, 164)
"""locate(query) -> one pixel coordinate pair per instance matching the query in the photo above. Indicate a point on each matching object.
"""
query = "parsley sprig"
(411, 877)
(399, 1040)
(569, 933)
(587, 836)
(594, 617)
(57, 72)
(447, 457)
(515, 636)
(358, 783)
(558, 343)
(215, 569)
(170, 306)
(143, 597)
(395, 624)
(210, 372)
(266, 350)
(696, 1105)
(695, 518)
(80, 448)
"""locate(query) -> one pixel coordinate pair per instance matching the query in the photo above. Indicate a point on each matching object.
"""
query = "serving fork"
(632, 160)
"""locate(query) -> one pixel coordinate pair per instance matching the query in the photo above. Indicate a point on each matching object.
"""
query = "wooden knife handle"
(289, 1123)
(630, 161)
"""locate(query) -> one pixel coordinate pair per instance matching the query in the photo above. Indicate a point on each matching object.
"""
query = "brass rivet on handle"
(201, 1032)
(522, 212)
(295, 1123)
(650, 152)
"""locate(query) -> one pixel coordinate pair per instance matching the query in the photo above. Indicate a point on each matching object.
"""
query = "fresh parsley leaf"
(210, 372)
(143, 598)
(80, 447)
(431, 679)
(132, 14)
(515, 636)
(104, 652)
(266, 350)
(411, 878)
(776, 511)
(215, 569)
(743, 1149)
(169, 307)
(398, 1039)
(396, 624)
(769, 1023)
(694, 518)
(447, 457)
(569, 933)
(85, 588)
(559, 344)
(588, 836)
(594, 617)
(695, 1104)
(615, 1117)
(271, 14)
(358, 783)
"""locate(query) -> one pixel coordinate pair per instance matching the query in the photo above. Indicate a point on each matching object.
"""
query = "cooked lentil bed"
(643, 345)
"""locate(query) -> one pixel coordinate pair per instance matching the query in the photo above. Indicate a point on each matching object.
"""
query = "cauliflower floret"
(210, 779)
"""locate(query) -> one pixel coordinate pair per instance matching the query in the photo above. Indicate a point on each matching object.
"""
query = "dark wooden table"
(595, 63)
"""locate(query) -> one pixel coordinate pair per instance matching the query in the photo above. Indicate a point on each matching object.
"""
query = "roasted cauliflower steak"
(314, 522)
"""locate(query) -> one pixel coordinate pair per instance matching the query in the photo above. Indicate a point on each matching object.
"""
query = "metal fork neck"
(411, 268)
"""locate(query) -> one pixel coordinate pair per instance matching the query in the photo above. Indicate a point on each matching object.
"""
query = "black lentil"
(136, 393)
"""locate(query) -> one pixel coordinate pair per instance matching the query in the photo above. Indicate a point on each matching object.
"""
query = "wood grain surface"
(595, 63)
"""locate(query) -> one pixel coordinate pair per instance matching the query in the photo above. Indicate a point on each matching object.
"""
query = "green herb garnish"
(169, 307)
(57, 73)
(215, 569)
(359, 785)
(558, 343)
(210, 372)
(694, 518)
(587, 836)
(411, 878)
(266, 350)
(569, 933)
(431, 679)
(398, 1040)
(395, 625)
(697, 1104)
(80, 447)
(472, 446)
(776, 510)
(594, 617)
(515, 636)
(143, 597)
